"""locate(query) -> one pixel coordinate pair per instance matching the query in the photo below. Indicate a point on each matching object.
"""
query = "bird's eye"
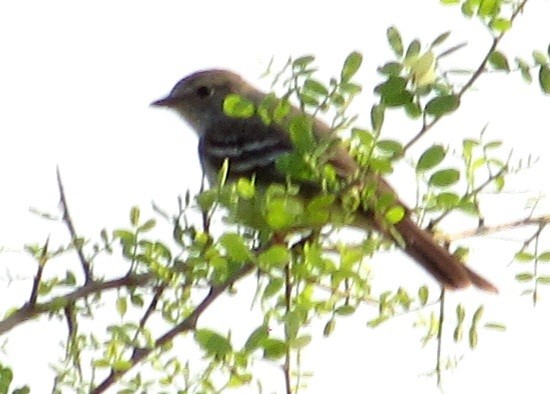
(203, 91)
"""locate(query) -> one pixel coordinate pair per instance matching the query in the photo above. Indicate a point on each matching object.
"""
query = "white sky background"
(75, 83)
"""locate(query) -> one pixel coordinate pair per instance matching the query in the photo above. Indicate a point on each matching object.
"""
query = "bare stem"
(484, 230)
(72, 231)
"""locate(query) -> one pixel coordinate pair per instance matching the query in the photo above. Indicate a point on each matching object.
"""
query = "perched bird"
(252, 147)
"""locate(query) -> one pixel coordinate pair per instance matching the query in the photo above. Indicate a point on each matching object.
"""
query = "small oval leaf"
(444, 178)
(430, 158)
(442, 105)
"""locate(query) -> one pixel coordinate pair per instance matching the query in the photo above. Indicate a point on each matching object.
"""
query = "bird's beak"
(164, 102)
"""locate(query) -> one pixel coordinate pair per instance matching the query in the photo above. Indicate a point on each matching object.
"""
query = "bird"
(252, 147)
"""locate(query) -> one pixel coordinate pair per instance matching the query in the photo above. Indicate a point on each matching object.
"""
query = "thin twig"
(72, 231)
(467, 195)
(288, 298)
(188, 324)
(440, 335)
(484, 230)
(39, 270)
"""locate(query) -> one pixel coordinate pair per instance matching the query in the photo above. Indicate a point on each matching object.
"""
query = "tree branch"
(30, 311)
(475, 76)
(188, 324)
(484, 230)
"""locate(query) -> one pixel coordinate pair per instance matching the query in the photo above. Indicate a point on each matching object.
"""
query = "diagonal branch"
(188, 324)
(74, 237)
(475, 76)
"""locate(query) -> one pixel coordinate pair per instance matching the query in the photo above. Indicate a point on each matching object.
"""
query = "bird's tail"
(437, 260)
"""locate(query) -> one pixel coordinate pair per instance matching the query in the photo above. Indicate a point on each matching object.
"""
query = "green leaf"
(315, 87)
(237, 380)
(351, 66)
(440, 39)
(412, 52)
(457, 334)
(423, 69)
(329, 327)
(377, 117)
(495, 326)
(413, 110)
(394, 148)
(272, 288)
(477, 315)
(444, 178)
(472, 338)
(460, 314)
(213, 343)
(236, 106)
(430, 158)
(467, 9)
(395, 214)
(134, 216)
(345, 310)
(469, 207)
(293, 321)
(488, 8)
(448, 200)
(236, 247)
(442, 105)
(276, 256)
(391, 68)
(544, 257)
(22, 390)
(136, 299)
(524, 69)
(126, 238)
(498, 61)
(392, 86)
(524, 277)
(303, 62)
(121, 365)
(246, 188)
(393, 92)
(283, 212)
(544, 78)
(500, 24)
(394, 39)
(281, 111)
(274, 348)
(543, 280)
(121, 306)
(148, 225)
(524, 257)
(423, 293)
(301, 133)
(350, 88)
(377, 321)
(318, 209)
(6, 377)
(300, 342)
(254, 340)
(450, 2)
(266, 107)
(540, 58)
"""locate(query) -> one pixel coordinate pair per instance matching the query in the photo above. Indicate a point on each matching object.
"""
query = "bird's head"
(199, 97)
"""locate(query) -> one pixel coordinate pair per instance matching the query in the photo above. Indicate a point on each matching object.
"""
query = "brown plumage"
(252, 147)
